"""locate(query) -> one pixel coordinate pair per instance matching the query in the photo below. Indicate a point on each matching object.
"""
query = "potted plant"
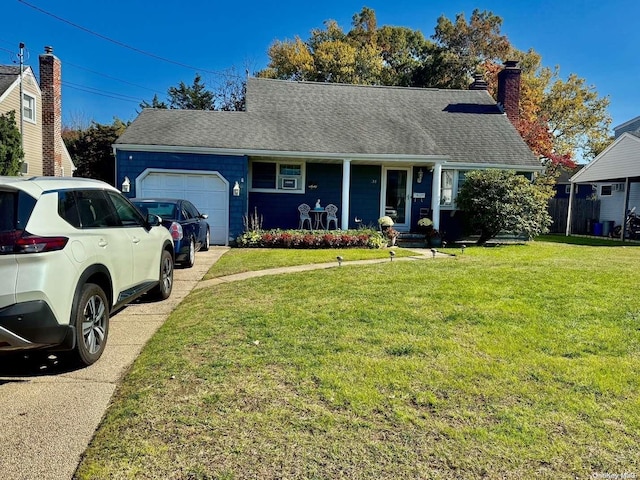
(425, 224)
(385, 222)
(391, 234)
(431, 235)
(386, 227)
(433, 238)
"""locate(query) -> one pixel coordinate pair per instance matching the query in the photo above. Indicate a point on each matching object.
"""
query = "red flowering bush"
(363, 238)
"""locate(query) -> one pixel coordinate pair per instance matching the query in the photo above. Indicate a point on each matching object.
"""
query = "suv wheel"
(163, 290)
(92, 324)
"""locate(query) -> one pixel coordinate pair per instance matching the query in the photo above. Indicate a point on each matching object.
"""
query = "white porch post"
(571, 194)
(346, 181)
(625, 208)
(435, 195)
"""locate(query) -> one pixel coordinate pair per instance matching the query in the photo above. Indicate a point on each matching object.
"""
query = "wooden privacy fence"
(583, 214)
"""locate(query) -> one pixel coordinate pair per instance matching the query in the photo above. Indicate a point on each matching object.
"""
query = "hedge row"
(362, 238)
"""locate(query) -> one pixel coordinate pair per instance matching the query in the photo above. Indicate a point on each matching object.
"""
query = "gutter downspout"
(571, 195)
(346, 181)
(436, 184)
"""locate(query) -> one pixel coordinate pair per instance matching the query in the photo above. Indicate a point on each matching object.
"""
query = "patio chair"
(303, 208)
(331, 210)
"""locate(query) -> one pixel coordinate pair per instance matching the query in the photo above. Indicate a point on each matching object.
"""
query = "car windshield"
(162, 209)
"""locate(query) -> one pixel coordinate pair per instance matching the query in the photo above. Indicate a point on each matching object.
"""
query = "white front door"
(396, 196)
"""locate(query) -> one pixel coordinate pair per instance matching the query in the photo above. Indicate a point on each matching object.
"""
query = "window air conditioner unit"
(289, 183)
(618, 187)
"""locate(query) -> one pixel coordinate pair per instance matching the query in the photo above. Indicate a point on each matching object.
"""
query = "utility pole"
(21, 57)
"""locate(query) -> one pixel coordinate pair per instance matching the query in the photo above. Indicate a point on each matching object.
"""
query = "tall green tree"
(155, 103)
(496, 201)
(228, 94)
(11, 153)
(91, 150)
(462, 49)
(191, 97)
(560, 119)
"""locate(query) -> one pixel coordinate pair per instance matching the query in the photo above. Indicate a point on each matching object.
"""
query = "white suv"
(72, 250)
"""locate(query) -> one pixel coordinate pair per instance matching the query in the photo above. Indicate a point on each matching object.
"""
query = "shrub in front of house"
(361, 238)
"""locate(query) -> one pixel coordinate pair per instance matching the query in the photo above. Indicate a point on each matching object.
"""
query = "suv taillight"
(36, 244)
(176, 231)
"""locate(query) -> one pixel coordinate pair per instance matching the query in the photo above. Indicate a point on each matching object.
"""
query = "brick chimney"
(509, 90)
(50, 85)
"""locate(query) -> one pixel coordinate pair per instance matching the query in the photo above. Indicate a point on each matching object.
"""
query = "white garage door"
(208, 191)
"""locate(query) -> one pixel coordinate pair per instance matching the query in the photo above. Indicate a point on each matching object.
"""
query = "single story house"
(369, 150)
(615, 174)
(37, 108)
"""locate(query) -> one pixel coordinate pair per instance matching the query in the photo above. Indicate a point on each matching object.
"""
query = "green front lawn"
(508, 362)
(239, 260)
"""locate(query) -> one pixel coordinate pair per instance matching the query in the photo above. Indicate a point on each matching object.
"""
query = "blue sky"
(596, 40)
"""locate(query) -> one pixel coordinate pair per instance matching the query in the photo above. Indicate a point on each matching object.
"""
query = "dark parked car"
(188, 227)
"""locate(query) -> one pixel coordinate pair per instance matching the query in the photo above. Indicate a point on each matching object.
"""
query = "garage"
(208, 191)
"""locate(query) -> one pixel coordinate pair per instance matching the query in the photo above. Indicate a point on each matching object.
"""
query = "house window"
(567, 189)
(451, 182)
(29, 107)
(446, 188)
(277, 176)
(605, 190)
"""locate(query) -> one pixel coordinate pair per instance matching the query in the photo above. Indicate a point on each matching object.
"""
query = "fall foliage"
(560, 119)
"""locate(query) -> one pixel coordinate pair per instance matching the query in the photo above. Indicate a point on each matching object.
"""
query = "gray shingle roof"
(8, 75)
(464, 125)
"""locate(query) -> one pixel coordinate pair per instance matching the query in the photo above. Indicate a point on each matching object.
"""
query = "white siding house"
(616, 174)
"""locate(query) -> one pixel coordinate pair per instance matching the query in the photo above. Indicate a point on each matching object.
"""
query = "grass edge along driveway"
(508, 362)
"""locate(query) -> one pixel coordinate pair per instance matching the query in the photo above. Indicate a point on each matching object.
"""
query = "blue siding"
(280, 210)
(232, 168)
(583, 191)
(365, 194)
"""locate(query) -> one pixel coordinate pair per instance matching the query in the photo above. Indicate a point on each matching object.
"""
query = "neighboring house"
(563, 185)
(369, 150)
(616, 174)
(41, 121)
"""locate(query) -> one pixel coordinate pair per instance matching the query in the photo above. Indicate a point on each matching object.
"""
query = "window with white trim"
(283, 176)
(451, 182)
(29, 107)
(605, 190)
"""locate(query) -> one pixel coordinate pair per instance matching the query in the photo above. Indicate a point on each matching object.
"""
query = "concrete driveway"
(50, 412)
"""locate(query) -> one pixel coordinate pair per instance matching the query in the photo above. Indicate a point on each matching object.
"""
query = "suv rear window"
(15, 210)
(7, 211)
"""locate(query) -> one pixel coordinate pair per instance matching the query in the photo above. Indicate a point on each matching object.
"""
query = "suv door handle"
(102, 242)
(135, 240)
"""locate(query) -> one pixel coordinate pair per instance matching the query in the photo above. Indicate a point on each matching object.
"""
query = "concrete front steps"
(411, 240)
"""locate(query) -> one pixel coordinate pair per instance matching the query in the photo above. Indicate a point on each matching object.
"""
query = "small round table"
(317, 216)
